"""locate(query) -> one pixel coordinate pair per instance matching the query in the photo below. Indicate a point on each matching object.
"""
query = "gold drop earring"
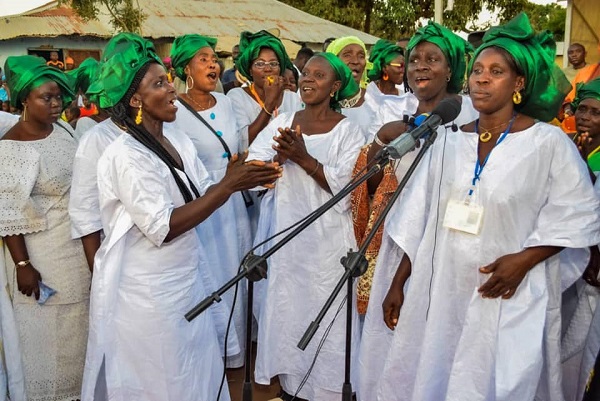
(138, 117)
(517, 98)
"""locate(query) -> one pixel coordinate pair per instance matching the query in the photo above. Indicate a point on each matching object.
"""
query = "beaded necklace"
(349, 103)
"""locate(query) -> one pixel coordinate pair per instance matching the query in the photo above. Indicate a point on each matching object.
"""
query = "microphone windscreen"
(448, 109)
(420, 118)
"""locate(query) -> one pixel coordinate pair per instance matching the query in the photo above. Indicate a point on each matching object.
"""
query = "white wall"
(19, 46)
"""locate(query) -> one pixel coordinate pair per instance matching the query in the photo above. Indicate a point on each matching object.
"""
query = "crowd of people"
(119, 215)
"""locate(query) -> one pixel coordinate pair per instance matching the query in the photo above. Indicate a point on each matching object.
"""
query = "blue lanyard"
(479, 166)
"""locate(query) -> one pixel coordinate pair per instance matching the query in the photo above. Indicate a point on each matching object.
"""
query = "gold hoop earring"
(332, 94)
(24, 114)
(447, 79)
(189, 86)
(517, 98)
(385, 76)
(138, 117)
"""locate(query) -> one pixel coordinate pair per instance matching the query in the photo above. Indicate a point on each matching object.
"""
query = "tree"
(125, 16)
(543, 17)
(392, 19)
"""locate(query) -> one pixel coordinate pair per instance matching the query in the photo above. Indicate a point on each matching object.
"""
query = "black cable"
(235, 292)
(437, 218)
(319, 347)
(148, 140)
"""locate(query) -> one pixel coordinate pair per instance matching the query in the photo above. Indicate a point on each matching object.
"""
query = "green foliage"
(345, 12)
(392, 19)
(547, 17)
(125, 16)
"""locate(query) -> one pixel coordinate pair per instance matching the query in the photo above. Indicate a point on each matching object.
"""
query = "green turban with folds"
(338, 45)
(250, 46)
(589, 90)
(545, 84)
(84, 75)
(349, 87)
(455, 49)
(381, 55)
(124, 56)
(185, 48)
(25, 73)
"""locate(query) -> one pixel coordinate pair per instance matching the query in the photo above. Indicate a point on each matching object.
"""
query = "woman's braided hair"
(120, 114)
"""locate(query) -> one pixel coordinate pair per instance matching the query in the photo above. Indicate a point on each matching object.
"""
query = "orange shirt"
(584, 75)
(56, 64)
(84, 112)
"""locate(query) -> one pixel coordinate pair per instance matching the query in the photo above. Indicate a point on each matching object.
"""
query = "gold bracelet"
(266, 111)
(378, 141)
(316, 169)
(23, 263)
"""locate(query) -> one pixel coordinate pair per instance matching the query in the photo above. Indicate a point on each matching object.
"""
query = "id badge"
(465, 216)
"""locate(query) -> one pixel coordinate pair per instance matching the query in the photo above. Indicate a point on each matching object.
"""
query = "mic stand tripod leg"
(256, 268)
(247, 387)
(347, 386)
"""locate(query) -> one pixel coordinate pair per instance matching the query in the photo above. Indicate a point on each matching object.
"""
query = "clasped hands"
(250, 174)
(289, 145)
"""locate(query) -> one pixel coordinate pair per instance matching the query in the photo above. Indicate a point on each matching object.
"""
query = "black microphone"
(446, 111)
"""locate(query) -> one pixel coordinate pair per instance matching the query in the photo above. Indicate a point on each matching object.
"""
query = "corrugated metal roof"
(51, 23)
(171, 18)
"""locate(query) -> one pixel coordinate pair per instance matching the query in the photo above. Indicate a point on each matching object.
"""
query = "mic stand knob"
(255, 266)
(355, 262)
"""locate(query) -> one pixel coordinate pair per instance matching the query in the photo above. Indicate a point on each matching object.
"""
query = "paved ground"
(235, 378)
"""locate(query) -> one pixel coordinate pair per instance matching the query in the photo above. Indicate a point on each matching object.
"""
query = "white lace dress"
(35, 177)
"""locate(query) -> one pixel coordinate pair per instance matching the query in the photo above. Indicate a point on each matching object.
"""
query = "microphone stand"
(355, 264)
(255, 269)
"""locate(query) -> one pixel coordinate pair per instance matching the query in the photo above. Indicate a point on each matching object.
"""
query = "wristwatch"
(23, 263)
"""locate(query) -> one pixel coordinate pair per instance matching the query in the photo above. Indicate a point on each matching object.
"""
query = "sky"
(10, 7)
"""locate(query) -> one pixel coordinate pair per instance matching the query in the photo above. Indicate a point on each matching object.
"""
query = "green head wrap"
(594, 162)
(349, 86)
(25, 73)
(381, 55)
(455, 49)
(587, 90)
(124, 56)
(545, 84)
(250, 45)
(84, 75)
(185, 48)
(338, 45)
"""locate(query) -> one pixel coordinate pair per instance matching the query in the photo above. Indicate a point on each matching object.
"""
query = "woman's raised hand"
(273, 87)
(582, 141)
(243, 175)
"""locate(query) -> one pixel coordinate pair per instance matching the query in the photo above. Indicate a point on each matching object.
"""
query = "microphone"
(446, 111)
